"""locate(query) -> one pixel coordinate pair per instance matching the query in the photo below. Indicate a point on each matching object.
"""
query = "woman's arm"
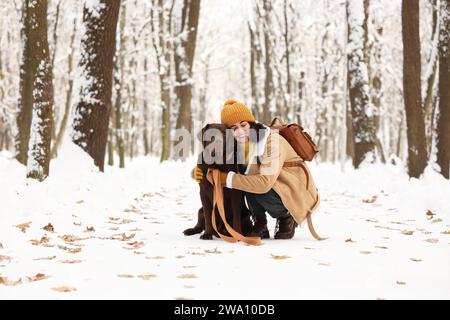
(271, 163)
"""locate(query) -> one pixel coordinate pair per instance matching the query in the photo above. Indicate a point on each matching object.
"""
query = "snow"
(373, 206)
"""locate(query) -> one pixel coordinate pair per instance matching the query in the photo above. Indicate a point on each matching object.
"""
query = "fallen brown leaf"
(127, 238)
(64, 289)
(433, 240)
(415, 260)
(70, 250)
(327, 264)
(446, 232)
(45, 258)
(179, 257)
(89, 229)
(49, 227)
(155, 257)
(38, 277)
(4, 258)
(187, 276)
(430, 214)
(80, 201)
(216, 251)
(349, 240)
(71, 238)
(401, 283)
(24, 226)
(135, 244)
(365, 252)
(370, 200)
(381, 247)
(9, 283)
(147, 276)
(371, 220)
(125, 276)
(38, 242)
(71, 261)
(408, 232)
(278, 257)
(78, 224)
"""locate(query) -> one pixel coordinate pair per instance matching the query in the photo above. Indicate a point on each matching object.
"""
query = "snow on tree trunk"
(358, 85)
(93, 104)
(443, 123)
(417, 154)
(42, 121)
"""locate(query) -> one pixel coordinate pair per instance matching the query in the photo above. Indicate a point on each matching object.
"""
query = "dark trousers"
(269, 202)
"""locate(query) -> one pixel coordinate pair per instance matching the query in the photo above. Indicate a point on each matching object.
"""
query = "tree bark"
(184, 59)
(358, 82)
(90, 126)
(27, 70)
(38, 162)
(415, 123)
(443, 122)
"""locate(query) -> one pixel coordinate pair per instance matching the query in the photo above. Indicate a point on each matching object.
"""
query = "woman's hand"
(223, 177)
(197, 174)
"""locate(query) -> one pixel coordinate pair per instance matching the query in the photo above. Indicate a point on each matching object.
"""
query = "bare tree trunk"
(443, 123)
(90, 126)
(63, 125)
(119, 80)
(362, 115)
(268, 83)
(27, 74)
(417, 154)
(38, 163)
(184, 59)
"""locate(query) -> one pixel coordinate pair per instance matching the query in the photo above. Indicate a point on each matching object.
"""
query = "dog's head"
(218, 146)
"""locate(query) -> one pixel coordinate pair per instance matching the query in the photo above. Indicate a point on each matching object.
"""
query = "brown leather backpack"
(297, 137)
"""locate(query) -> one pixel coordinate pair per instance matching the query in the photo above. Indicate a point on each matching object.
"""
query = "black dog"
(235, 208)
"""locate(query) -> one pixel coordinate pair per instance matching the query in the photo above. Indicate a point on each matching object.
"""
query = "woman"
(285, 192)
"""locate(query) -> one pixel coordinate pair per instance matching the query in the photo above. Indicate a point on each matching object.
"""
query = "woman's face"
(241, 131)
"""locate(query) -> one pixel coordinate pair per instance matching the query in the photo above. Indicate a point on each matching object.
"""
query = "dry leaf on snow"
(24, 226)
(89, 229)
(279, 257)
(401, 283)
(70, 250)
(408, 232)
(38, 277)
(432, 240)
(49, 227)
(71, 261)
(216, 251)
(381, 247)
(179, 257)
(365, 252)
(4, 258)
(45, 258)
(415, 260)
(446, 232)
(6, 282)
(147, 276)
(187, 276)
(430, 214)
(349, 240)
(135, 244)
(64, 289)
(38, 242)
(127, 238)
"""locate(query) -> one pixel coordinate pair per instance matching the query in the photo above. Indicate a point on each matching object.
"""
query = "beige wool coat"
(290, 183)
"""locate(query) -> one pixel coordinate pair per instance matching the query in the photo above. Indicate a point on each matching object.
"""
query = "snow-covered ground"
(119, 235)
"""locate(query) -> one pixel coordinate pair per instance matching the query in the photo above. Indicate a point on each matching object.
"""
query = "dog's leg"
(207, 209)
(199, 227)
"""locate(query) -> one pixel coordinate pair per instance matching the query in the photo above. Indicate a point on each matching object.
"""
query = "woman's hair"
(255, 131)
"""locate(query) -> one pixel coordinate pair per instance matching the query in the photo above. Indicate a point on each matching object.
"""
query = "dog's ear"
(202, 132)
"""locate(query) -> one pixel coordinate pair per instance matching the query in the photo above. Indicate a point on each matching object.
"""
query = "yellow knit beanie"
(234, 112)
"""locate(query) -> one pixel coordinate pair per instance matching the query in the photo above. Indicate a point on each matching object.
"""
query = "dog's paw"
(191, 231)
(206, 236)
